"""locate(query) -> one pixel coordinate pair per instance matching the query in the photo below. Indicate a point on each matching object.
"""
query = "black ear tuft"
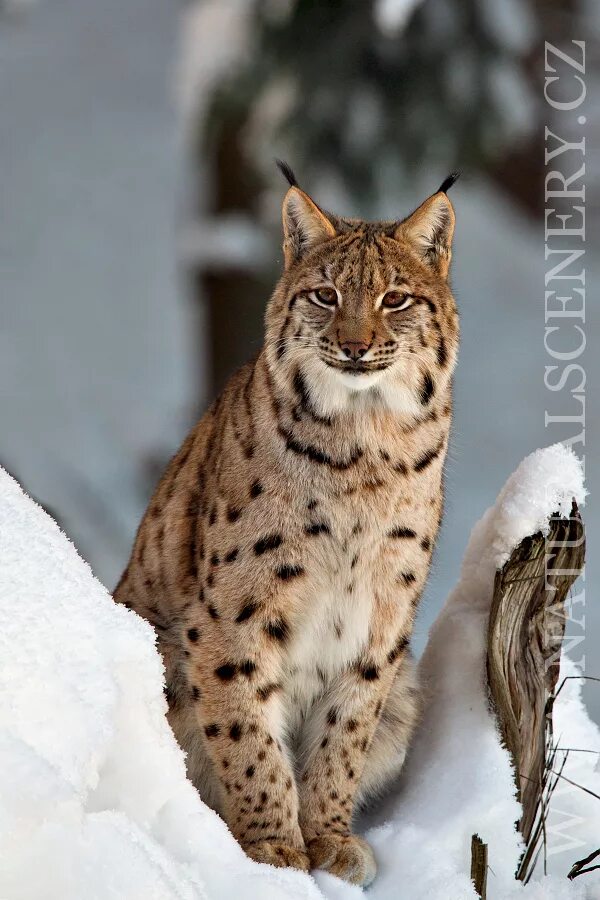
(287, 173)
(448, 182)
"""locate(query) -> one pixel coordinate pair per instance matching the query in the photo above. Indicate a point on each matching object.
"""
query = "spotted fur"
(282, 557)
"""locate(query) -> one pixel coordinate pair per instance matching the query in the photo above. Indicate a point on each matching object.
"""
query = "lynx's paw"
(278, 854)
(344, 855)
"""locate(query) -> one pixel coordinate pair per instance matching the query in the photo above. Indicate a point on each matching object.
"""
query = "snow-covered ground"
(94, 801)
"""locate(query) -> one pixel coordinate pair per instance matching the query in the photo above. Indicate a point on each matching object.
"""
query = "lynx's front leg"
(341, 733)
(238, 711)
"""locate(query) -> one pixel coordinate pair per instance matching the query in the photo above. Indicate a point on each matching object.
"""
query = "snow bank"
(93, 796)
(458, 780)
(94, 801)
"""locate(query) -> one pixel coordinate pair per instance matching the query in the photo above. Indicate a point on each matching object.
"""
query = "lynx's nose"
(354, 350)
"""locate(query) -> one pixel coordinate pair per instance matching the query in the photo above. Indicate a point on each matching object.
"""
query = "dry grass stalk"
(580, 867)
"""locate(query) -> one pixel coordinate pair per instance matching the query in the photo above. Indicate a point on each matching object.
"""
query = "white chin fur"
(358, 382)
(333, 391)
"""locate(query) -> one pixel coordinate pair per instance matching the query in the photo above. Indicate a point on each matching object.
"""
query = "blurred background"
(140, 237)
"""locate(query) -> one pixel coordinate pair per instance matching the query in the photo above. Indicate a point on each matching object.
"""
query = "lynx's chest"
(350, 562)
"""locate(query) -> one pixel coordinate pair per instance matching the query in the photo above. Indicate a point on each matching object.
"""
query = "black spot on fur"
(232, 555)
(442, 355)
(213, 612)
(247, 668)
(369, 673)
(213, 516)
(408, 578)
(428, 457)
(246, 611)
(426, 544)
(287, 572)
(278, 630)
(256, 489)
(427, 389)
(269, 542)
(250, 772)
(332, 716)
(318, 456)
(193, 635)
(212, 731)
(312, 504)
(196, 693)
(398, 649)
(235, 732)
(214, 560)
(316, 528)
(233, 513)
(401, 532)
(263, 693)
(226, 672)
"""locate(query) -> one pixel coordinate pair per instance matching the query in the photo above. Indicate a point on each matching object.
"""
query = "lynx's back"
(284, 552)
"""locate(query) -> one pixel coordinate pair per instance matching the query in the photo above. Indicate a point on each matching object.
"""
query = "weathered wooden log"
(479, 865)
(525, 635)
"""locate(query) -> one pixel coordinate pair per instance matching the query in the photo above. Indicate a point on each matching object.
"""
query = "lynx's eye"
(396, 300)
(324, 296)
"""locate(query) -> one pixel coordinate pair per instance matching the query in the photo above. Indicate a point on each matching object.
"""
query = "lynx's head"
(363, 312)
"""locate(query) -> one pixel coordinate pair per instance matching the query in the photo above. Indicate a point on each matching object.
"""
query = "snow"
(94, 800)
(433, 817)
(392, 15)
(93, 796)
(215, 36)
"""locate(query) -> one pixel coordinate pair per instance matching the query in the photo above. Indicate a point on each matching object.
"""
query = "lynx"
(284, 552)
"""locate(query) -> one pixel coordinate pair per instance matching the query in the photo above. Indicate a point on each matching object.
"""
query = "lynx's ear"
(430, 228)
(304, 225)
